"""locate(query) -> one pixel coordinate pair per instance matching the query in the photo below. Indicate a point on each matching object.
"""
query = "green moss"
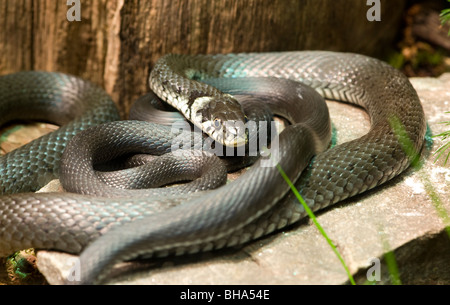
(396, 59)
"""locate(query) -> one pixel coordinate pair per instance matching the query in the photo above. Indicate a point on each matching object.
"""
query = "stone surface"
(398, 216)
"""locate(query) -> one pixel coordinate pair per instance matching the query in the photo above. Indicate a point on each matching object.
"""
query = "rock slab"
(398, 217)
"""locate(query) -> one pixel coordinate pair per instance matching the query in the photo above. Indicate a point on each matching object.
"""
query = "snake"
(233, 214)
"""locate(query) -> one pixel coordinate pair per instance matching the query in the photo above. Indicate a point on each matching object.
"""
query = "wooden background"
(116, 42)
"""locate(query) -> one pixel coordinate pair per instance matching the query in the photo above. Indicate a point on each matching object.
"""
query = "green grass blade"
(316, 223)
(440, 151)
(408, 148)
(391, 262)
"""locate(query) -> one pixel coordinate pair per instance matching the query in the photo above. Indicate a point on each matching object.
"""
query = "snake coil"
(235, 213)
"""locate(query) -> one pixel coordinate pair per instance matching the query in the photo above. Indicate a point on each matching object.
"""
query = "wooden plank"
(116, 43)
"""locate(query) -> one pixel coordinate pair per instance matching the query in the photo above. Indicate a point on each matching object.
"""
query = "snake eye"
(217, 123)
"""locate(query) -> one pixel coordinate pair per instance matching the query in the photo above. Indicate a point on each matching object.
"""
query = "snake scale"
(232, 214)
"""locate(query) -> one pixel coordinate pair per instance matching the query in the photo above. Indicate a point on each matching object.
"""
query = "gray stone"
(52, 186)
(399, 216)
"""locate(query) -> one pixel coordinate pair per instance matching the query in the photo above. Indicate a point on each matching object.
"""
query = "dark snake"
(232, 214)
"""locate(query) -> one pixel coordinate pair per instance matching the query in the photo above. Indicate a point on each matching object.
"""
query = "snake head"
(223, 119)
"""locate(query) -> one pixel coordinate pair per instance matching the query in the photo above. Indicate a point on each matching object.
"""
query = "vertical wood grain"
(116, 43)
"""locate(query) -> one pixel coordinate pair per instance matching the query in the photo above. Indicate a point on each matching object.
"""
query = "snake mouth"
(229, 133)
(235, 136)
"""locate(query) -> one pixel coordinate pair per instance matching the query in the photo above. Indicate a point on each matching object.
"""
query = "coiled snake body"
(234, 213)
